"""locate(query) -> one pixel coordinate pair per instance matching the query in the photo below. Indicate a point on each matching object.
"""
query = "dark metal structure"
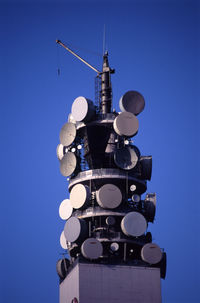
(106, 217)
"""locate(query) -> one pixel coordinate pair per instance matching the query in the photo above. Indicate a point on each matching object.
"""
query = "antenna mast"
(106, 87)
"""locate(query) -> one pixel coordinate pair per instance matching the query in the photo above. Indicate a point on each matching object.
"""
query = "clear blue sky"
(154, 47)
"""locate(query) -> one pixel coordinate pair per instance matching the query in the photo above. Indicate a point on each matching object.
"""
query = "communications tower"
(111, 255)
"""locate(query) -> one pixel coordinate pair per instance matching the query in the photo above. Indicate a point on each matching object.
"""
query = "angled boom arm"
(69, 50)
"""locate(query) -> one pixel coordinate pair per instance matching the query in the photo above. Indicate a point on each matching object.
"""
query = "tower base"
(100, 283)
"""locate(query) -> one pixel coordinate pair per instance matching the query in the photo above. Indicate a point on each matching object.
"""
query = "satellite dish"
(110, 220)
(92, 248)
(83, 109)
(126, 158)
(67, 134)
(63, 241)
(65, 209)
(114, 246)
(75, 229)
(146, 167)
(133, 187)
(135, 198)
(134, 224)
(126, 124)
(151, 253)
(61, 267)
(109, 196)
(132, 102)
(68, 164)
(79, 196)
(60, 151)
(150, 206)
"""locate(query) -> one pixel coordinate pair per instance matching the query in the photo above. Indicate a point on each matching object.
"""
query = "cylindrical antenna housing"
(106, 87)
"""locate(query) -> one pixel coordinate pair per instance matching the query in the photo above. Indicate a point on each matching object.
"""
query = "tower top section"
(106, 87)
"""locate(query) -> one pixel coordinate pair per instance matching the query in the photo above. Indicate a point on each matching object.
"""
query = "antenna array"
(106, 217)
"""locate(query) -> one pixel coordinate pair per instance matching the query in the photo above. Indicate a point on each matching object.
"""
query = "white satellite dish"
(68, 164)
(79, 196)
(67, 134)
(126, 124)
(75, 229)
(60, 151)
(83, 109)
(65, 209)
(63, 241)
(151, 253)
(134, 224)
(133, 187)
(92, 248)
(109, 196)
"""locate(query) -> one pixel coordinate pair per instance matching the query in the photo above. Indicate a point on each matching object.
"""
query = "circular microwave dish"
(109, 196)
(133, 102)
(68, 134)
(68, 164)
(79, 196)
(65, 209)
(134, 224)
(126, 158)
(63, 241)
(126, 124)
(75, 229)
(114, 246)
(82, 109)
(61, 267)
(92, 248)
(60, 151)
(151, 253)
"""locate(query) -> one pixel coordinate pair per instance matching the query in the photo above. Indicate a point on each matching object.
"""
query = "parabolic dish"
(68, 164)
(67, 134)
(60, 151)
(110, 220)
(151, 253)
(91, 248)
(132, 102)
(74, 229)
(109, 196)
(114, 246)
(126, 124)
(61, 267)
(65, 209)
(79, 196)
(134, 224)
(125, 158)
(82, 109)
(63, 241)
